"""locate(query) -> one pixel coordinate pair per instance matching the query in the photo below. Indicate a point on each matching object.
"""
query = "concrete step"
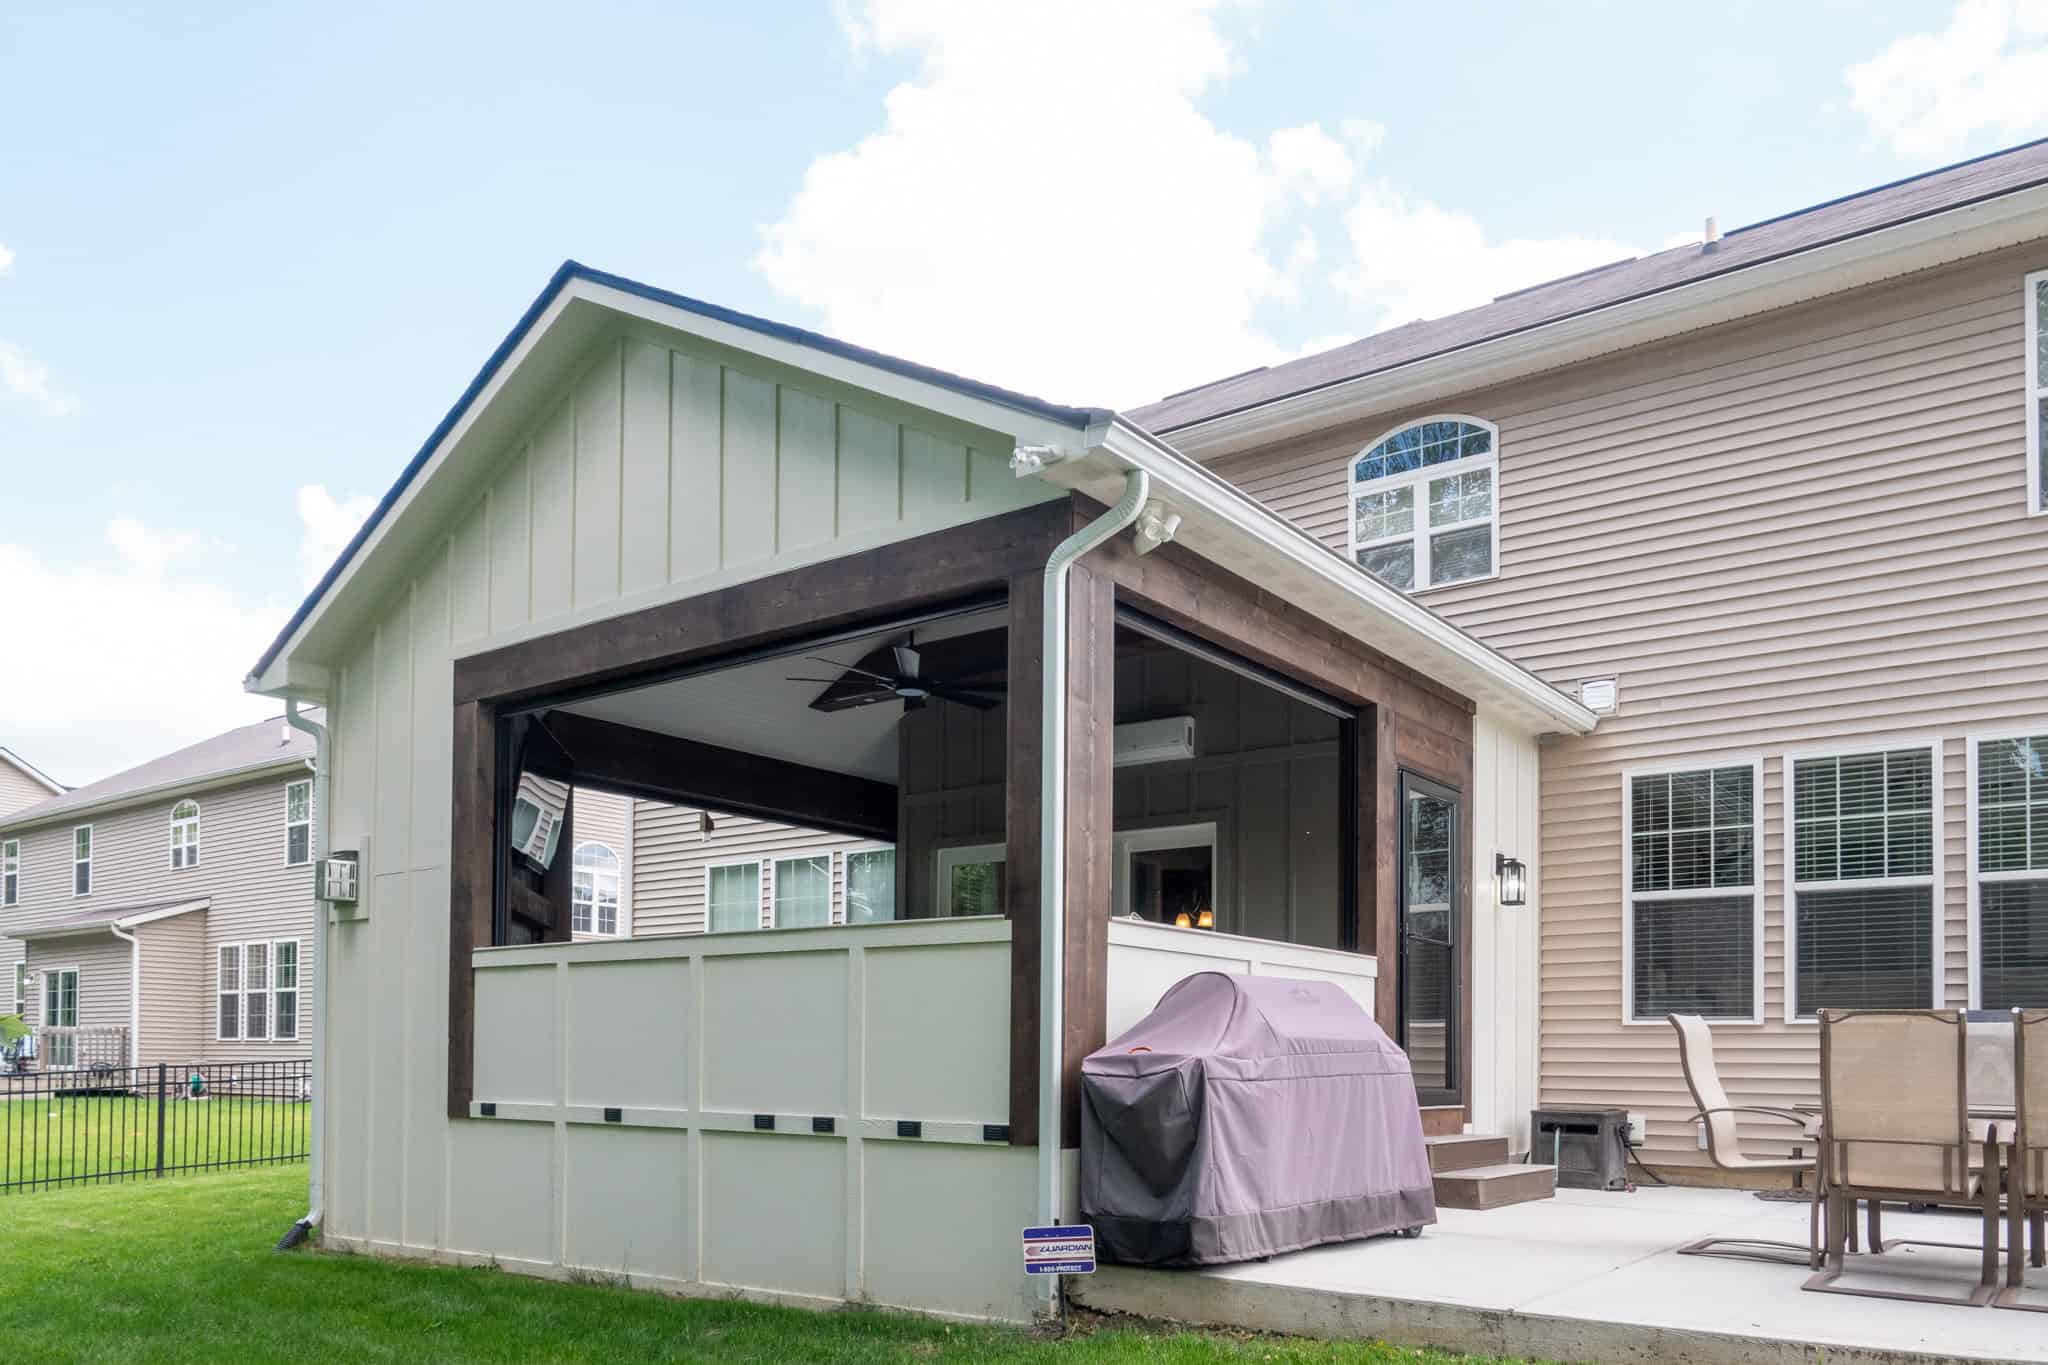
(1493, 1187)
(1462, 1151)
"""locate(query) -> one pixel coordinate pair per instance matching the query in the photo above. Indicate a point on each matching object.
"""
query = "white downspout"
(1052, 839)
(315, 1176)
(134, 994)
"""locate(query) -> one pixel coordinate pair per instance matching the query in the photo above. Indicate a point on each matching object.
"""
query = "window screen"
(1863, 893)
(2012, 872)
(1692, 893)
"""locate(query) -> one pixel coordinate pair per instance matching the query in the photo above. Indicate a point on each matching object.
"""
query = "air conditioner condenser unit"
(1155, 741)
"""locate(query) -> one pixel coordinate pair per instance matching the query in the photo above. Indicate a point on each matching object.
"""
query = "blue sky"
(251, 257)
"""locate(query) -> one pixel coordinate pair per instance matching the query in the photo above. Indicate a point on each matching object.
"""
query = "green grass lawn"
(54, 1138)
(182, 1269)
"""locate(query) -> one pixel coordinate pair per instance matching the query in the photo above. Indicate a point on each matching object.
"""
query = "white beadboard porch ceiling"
(755, 709)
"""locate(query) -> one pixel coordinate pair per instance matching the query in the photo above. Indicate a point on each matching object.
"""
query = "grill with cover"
(1247, 1116)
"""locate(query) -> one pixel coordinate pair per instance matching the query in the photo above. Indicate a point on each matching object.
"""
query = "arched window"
(185, 834)
(594, 896)
(1423, 510)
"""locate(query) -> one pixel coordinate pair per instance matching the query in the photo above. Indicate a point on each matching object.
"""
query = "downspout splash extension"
(315, 1182)
(1053, 838)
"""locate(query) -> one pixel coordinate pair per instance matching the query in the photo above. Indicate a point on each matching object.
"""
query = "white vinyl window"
(2009, 872)
(1865, 839)
(870, 893)
(256, 991)
(60, 1010)
(2037, 391)
(10, 872)
(802, 891)
(228, 987)
(185, 834)
(20, 990)
(1692, 909)
(284, 972)
(594, 892)
(1423, 503)
(298, 824)
(81, 861)
(732, 897)
(970, 879)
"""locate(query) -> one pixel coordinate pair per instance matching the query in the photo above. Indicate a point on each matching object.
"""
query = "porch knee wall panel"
(1806, 530)
(667, 469)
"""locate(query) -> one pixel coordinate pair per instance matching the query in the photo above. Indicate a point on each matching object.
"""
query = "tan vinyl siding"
(104, 978)
(672, 851)
(176, 1011)
(253, 893)
(1803, 531)
(18, 790)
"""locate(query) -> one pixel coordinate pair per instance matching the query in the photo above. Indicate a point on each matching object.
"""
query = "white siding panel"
(598, 512)
(553, 473)
(613, 1176)
(511, 546)
(643, 474)
(748, 485)
(806, 473)
(696, 467)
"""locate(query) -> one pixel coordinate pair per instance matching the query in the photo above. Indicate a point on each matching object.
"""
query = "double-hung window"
(1692, 913)
(2037, 391)
(870, 885)
(2009, 871)
(81, 861)
(732, 897)
(284, 972)
(1864, 833)
(60, 1011)
(244, 987)
(803, 891)
(185, 834)
(10, 872)
(298, 823)
(594, 891)
(228, 987)
(20, 990)
(1422, 503)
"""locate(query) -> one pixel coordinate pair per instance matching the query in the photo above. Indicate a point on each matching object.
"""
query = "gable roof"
(572, 272)
(30, 770)
(245, 749)
(119, 916)
(1836, 220)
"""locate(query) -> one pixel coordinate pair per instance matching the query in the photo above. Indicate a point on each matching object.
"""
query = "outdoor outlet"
(1638, 1128)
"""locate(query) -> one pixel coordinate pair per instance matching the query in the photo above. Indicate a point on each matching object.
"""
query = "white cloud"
(1413, 259)
(1928, 94)
(6, 259)
(23, 376)
(326, 525)
(136, 652)
(1045, 206)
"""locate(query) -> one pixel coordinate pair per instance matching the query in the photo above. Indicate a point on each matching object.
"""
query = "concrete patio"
(1596, 1276)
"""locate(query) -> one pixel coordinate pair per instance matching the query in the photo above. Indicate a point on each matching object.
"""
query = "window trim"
(191, 842)
(1788, 862)
(761, 876)
(291, 824)
(78, 862)
(618, 874)
(1694, 763)
(834, 912)
(1973, 879)
(2037, 392)
(220, 951)
(10, 866)
(840, 908)
(949, 856)
(298, 989)
(1419, 480)
(46, 975)
(1188, 834)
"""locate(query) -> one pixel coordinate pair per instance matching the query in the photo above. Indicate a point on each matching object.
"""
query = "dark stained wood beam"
(658, 767)
(470, 889)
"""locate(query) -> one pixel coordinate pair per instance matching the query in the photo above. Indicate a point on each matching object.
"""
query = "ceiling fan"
(898, 673)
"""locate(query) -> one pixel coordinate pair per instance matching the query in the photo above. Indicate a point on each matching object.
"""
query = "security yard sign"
(1059, 1251)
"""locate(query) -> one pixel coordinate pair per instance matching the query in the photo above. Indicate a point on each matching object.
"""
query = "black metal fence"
(107, 1123)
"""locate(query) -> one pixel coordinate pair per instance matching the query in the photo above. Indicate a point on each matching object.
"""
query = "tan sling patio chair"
(2026, 1162)
(1895, 1125)
(1724, 1148)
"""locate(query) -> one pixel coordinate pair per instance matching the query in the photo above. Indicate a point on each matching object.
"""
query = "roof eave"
(34, 817)
(34, 932)
(1229, 527)
(1797, 277)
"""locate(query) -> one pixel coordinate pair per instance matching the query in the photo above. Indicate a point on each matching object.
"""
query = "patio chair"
(1724, 1148)
(2026, 1162)
(1895, 1125)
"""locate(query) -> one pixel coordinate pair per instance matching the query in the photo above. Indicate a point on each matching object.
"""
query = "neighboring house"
(1703, 589)
(164, 914)
(1780, 495)
(23, 784)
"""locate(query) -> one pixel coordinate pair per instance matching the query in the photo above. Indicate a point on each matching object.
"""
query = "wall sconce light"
(1512, 877)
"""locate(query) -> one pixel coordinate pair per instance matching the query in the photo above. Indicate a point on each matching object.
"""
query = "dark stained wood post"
(1091, 726)
(471, 887)
(1378, 855)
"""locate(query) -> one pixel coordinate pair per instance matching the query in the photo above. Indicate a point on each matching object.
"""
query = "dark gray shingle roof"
(246, 746)
(100, 919)
(1902, 201)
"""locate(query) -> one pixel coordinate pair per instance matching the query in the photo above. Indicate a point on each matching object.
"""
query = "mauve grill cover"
(1247, 1116)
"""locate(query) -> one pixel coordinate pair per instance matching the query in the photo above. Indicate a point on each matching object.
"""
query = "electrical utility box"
(1589, 1147)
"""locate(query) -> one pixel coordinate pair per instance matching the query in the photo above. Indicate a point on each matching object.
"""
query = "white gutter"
(1052, 838)
(315, 1175)
(134, 993)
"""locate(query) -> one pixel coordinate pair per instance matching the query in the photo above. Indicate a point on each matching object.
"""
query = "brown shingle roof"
(1902, 201)
(100, 919)
(246, 746)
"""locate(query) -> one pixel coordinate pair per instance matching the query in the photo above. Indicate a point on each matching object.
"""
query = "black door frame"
(1453, 1092)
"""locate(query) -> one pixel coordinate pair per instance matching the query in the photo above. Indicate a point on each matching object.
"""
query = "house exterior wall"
(177, 1021)
(254, 894)
(1807, 530)
(104, 976)
(669, 469)
(606, 818)
(673, 854)
(17, 789)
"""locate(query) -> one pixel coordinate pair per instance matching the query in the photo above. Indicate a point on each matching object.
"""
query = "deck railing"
(93, 1124)
(61, 1047)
